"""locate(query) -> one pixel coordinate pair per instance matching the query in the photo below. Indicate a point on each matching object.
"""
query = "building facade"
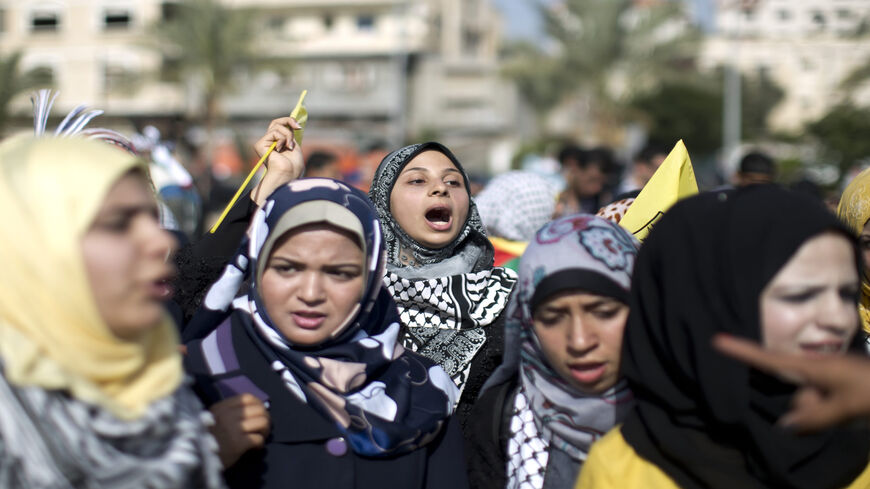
(376, 70)
(808, 47)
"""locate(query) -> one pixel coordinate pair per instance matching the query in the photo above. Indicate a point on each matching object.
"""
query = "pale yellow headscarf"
(51, 333)
(854, 210)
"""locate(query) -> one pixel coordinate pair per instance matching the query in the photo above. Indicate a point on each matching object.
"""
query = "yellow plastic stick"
(253, 172)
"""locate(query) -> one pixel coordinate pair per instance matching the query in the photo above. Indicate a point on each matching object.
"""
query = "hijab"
(515, 204)
(382, 398)
(574, 252)
(468, 252)
(81, 406)
(51, 333)
(453, 294)
(854, 210)
(705, 419)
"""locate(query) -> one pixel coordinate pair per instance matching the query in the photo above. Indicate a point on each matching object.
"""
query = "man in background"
(322, 164)
(585, 173)
(755, 168)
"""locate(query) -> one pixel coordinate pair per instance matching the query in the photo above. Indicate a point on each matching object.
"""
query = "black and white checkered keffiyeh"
(50, 440)
(445, 317)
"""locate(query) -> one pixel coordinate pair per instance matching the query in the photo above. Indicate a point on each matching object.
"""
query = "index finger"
(789, 367)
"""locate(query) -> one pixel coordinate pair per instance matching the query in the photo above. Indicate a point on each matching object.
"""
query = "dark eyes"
(283, 268)
(552, 318)
(606, 313)
(849, 294)
(449, 183)
(340, 274)
(121, 223)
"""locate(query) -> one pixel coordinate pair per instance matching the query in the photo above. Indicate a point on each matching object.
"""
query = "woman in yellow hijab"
(91, 388)
(854, 210)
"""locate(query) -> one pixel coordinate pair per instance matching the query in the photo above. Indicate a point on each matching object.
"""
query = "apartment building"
(807, 46)
(385, 70)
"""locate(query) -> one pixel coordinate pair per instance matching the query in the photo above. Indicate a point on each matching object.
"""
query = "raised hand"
(285, 163)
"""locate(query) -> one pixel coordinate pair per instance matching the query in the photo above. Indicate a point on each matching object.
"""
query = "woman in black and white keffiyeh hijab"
(439, 265)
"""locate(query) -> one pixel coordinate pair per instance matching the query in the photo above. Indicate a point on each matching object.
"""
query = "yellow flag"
(674, 180)
(300, 113)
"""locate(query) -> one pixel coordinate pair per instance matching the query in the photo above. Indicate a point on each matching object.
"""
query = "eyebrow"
(420, 168)
(294, 261)
(128, 210)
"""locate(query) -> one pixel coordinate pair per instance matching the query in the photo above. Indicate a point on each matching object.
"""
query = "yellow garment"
(51, 334)
(674, 180)
(613, 464)
(854, 210)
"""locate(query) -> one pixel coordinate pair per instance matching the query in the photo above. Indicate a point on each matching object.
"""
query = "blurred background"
(504, 83)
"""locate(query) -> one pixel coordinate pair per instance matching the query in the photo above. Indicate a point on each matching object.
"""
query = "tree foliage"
(610, 50)
(691, 109)
(208, 43)
(14, 81)
(842, 134)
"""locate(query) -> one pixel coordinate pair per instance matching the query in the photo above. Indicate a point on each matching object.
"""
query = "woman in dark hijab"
(761, 263)
(312, 338)
(439, 265)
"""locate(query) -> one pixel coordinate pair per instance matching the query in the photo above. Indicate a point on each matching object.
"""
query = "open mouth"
(438, 215)
(588, 373)
(308, 319)
(439, 218)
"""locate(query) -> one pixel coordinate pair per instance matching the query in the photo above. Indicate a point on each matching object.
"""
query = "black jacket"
(487, 434)
(296, 453)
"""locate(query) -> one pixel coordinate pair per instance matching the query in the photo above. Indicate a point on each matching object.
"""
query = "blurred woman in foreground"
(91, 389)
(760, 263)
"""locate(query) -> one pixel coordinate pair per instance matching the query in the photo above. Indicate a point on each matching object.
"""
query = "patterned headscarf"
(384, 399)
(574, 252)
(854, 210)
(470, 251)
(516, 204)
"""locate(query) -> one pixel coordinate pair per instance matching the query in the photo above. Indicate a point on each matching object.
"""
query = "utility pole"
(732, 100)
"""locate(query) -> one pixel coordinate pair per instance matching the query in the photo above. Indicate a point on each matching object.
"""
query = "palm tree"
(606, 50)
(13, 82)
(208, 44)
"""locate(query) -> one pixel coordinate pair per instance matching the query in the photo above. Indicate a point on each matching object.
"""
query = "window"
(327, 22)
(42, 76)
(116, 19)
(365, 23)
(118, 79)
(2, 20)
(275, 24)
(844, 13)
(170, 70)
(783, 15)
(44, 21)
(818, 18)
(168, 10)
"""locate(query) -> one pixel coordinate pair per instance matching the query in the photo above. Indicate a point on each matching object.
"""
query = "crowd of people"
(325, 337)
